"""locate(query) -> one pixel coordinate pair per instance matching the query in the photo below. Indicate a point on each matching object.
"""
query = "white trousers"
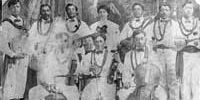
(191, 77)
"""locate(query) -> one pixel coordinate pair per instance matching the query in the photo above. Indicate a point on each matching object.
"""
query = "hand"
(19, 55)
(55, 89)
(127, 85)
(180, 43)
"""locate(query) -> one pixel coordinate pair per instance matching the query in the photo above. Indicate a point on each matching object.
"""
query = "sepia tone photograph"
(100, 50)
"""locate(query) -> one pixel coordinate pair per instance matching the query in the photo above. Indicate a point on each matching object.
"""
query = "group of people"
(152, 58)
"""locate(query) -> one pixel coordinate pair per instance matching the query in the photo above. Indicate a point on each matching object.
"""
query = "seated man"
(140, 75)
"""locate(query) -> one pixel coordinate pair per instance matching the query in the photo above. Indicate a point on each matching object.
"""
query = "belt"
(190, 49)
(161, 46)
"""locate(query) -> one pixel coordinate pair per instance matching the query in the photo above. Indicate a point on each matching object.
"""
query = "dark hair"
(187, 2)
(12, 2)
(137, 4)
(138, 32)
(164, 4)
(103, 7)
(70, 4)
(44, 5)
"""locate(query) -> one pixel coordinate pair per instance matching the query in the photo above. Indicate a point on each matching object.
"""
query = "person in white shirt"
(75, 26)
(51, 46)
(13, 44)
(161, 38)
(97, 65)
(137, 61)
(188, 57)
(138, 22)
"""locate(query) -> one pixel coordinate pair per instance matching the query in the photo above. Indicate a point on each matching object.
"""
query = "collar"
(72, 19)
(13, 18)
(46, 21)
(139, 49)
(141, 19)
(164, 20)
(189, 20)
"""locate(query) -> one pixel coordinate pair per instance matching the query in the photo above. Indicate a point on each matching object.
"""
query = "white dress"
(112, 32)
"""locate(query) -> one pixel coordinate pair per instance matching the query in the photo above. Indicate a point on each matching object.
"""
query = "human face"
(71, 11)
(45, 13)
(88, 44)
(103, 14)
(165, 12)
(15, 9)
(140, 40)
(188, 10)
(99, 43)
(137, 11)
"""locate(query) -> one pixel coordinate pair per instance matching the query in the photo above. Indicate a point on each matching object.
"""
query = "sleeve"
(86, 30)
(117, 34)
(149, 34)
(125, 32)
(4, 40)
(93, 28)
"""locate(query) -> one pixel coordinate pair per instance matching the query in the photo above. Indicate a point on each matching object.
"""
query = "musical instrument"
(54, 96)
(71, 78)
(115, 76)
(147, 78)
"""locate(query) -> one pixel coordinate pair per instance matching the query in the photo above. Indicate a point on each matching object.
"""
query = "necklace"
(76, 26)
(135, 56)
(160, 32)
(95, 62)
(39, 28)
(182, 27)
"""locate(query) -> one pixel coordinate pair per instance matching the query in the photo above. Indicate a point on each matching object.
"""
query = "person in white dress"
(112, 34)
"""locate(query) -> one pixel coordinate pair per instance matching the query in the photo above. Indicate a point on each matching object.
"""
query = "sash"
(15, 25)
(180, 61)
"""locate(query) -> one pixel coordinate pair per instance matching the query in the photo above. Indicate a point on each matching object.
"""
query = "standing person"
(112, 28)
(189, 55)
(52, 48)
(160, 36)
(13, 45)
(53, 70)
(138, 22)
(40, 32)
(97, 64)
(75, 26)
